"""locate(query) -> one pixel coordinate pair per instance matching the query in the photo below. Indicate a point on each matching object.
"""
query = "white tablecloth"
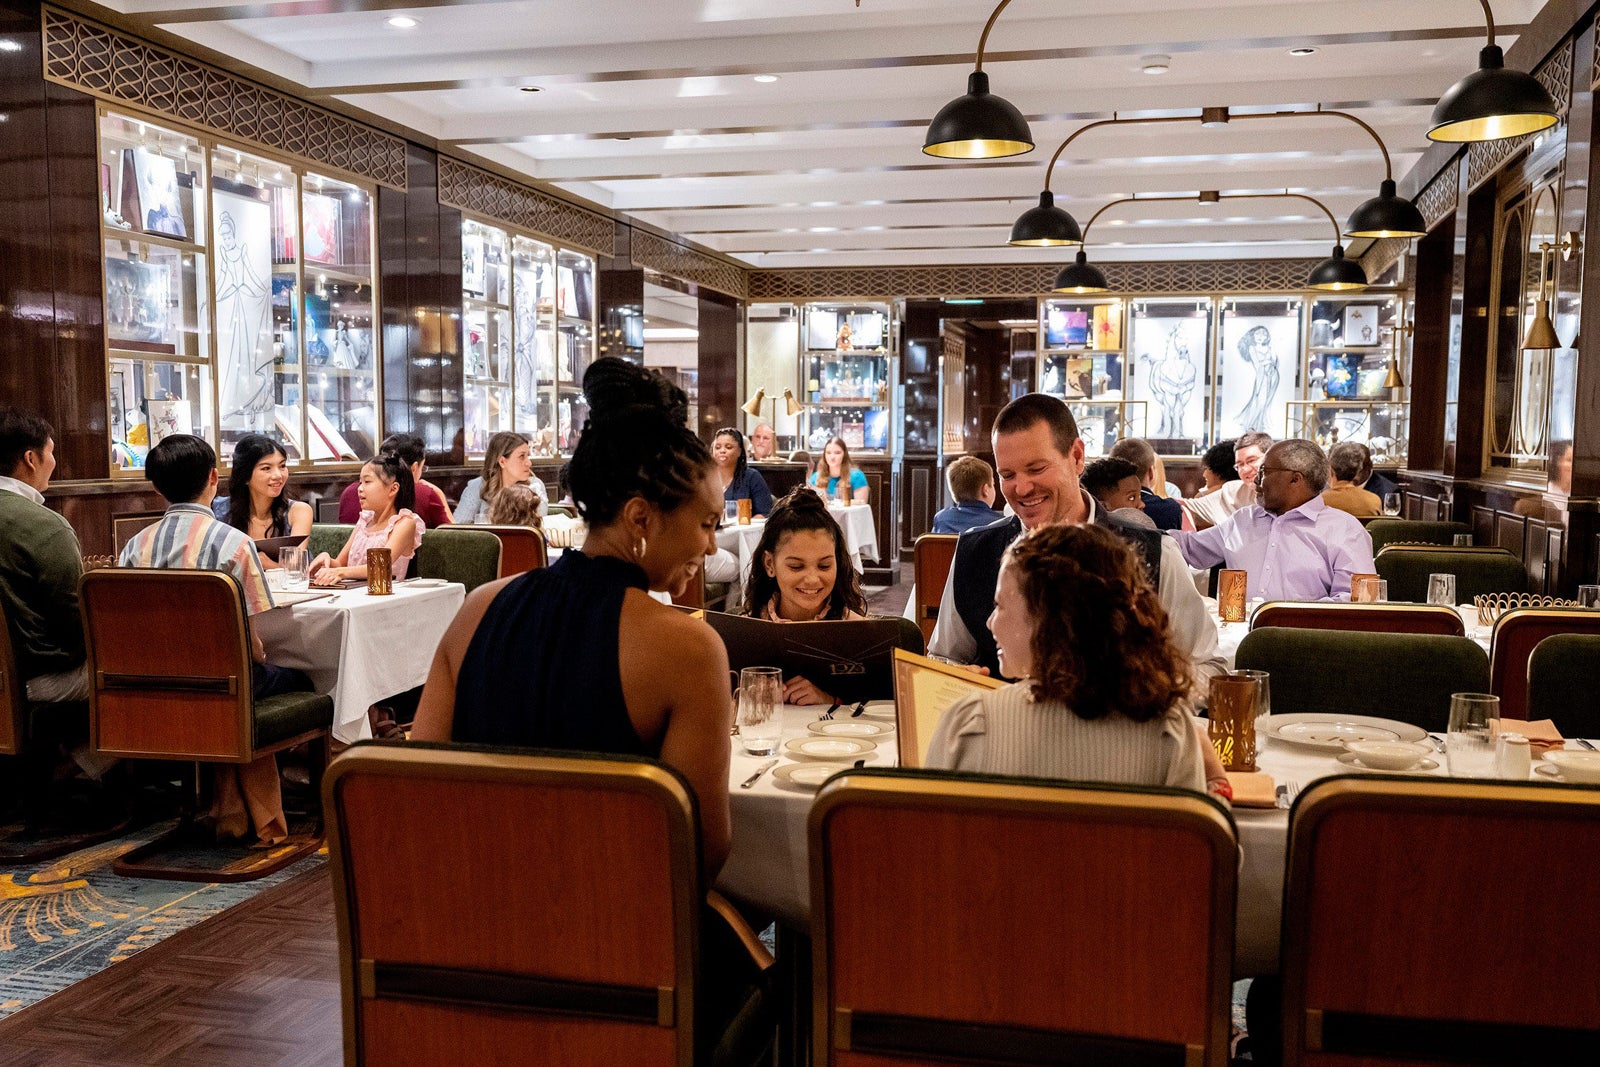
(860, 536)
(769, 864)
(361, 649)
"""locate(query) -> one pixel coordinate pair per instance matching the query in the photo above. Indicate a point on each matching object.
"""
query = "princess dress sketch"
(344, 349)
(1172, 380)
(1255, 348)
(242, 296)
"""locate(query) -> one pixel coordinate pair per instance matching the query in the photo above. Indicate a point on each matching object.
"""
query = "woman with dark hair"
(601, 667)
(387, 496)
(801, 572)
(256, 502)
(835, 478)
(740, 481)
(507, 461)
(1102, 689)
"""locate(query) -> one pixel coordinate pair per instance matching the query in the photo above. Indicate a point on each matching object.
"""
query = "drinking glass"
(1461, 540)
(1391, 503)
(1372, 591)
(1442, 589)
(1231, 718)
(1468, 746)
(760, 695)
(730, 512)
(1589, 596)
(294, 561)
(1264, 696)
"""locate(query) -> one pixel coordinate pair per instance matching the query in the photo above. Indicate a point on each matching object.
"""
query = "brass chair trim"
(1422, 610)
(449, 761)
(166, 683)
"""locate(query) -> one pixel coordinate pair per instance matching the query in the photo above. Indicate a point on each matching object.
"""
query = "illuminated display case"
(847, 382)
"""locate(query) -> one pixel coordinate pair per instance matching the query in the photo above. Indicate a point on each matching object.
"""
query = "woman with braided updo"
(1102, 689)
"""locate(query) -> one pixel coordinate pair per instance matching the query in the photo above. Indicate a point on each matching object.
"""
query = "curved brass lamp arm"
(1129, 200)
(1112, 121)
(1488, 13)
(1338, 235)
(987, 26)
(1388, 165)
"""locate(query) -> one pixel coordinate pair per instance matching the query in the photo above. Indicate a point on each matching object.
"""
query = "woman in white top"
(1102, 690)
(507, 461)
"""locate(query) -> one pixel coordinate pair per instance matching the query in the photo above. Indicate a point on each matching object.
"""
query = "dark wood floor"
(256, 985)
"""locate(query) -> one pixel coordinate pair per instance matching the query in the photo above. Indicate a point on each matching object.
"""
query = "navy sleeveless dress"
(542, 669)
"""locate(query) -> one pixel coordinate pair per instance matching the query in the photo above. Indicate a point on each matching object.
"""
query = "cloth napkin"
(1253, 789)
(1542, 734)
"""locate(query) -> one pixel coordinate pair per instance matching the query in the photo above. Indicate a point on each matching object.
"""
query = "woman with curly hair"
(1102, 690)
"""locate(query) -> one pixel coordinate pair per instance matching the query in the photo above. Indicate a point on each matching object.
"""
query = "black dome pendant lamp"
(979, 125)
(1493, 102)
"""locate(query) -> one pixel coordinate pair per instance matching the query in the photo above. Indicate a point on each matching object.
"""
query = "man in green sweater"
(40, 564)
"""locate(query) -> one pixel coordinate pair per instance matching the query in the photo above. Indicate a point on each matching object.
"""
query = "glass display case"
(486, 275)
(846, 377)
(1102, 423)
(575, 292)
(341, 365)
(1082, 354)
(1169, 341)
(1024, 362)
(919, 371)
(1383, 426)
(1258, 369)
(534, 386)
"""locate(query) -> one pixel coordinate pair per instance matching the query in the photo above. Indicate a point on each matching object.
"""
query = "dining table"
(769, 865)
(860, 535)
(358, 648)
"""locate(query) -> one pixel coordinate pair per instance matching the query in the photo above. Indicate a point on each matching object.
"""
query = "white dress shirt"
(22, 489)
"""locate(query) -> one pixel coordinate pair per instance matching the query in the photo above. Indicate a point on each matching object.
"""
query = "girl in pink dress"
(387, 496)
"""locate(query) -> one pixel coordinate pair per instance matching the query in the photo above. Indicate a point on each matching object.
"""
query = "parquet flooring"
(257, 985)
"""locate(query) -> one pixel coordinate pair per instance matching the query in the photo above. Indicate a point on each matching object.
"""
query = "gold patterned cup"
(380, 579)
(1232, 720)
(745, 511)
(1231, 590)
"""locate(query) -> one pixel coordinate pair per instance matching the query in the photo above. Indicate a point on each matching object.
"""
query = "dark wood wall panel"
(921, 494)
(720, 323)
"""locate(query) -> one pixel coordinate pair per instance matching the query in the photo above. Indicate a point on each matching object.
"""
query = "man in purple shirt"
(1292, 544)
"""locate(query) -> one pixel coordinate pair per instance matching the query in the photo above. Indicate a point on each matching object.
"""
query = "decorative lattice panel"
(1201, 276)
(481, 193)
(1487, 157)
(1594, 71)
(1382, 255)
(669, 257)
(1442, 196)
(113, 66)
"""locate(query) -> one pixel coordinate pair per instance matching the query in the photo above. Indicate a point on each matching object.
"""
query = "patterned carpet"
(66, 919)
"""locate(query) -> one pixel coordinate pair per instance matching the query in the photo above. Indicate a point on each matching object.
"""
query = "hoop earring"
(639, 551)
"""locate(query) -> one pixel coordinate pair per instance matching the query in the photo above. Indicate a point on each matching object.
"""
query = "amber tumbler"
(745, 511)
(1232, 716)
(1231, 591)
(380, 579)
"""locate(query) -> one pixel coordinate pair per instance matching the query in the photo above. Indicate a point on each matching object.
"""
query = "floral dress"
(366, 536)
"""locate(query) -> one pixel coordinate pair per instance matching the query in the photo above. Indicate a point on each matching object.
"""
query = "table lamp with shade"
(791, 406)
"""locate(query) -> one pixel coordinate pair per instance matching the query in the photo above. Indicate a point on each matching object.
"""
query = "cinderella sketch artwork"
(244, 340)
(1257, 356)
(1255, 348)
(1173, 376)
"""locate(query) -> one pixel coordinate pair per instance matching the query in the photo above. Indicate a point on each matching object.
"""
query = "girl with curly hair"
(1102, 690)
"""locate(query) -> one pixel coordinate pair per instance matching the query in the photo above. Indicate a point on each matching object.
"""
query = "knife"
(763, 769)
(859, 709)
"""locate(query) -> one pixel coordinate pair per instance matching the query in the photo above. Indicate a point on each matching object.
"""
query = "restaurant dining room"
(865, 533)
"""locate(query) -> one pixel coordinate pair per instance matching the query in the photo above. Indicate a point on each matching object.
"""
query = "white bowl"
(1583, 767)
(1387, 755)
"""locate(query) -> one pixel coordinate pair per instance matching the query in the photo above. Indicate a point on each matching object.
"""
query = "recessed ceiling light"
(1302, 51)
(531, 88)
(400, 22)
(1156, 64)
(766, 79)
(8, 45)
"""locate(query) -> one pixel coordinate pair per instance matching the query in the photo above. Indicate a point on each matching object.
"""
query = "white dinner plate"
(426, 583)
(1330, 732)
(829, 749)
(882, 710)
(807, 776)
(852, 727)
(1422, 766)
(1552, 772)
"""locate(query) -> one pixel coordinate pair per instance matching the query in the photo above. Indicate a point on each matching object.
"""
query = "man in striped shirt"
(183, 469)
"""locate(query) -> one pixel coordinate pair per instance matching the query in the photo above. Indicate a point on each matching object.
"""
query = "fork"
(829, 713)
(1287, 791)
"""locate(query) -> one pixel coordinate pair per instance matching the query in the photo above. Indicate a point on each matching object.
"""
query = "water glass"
(1264, 695)
(1589, 597)
(1371, 591)
(294, 562)
(1442, 589)
(1391, 503)
(1461, 540)
(730, 512)
(760, 695)
(1468, 744)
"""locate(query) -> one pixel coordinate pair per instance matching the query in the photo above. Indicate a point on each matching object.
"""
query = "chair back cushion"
(544, 911)
(169, 664)
(1561, 683)
(1391, 618)
(1473, 880)
(13, 695)
(521, 548)
(1395, 676)
(1387, 531)
(1477, 570)
(458, 554)
(329, 538)
(1516, 634)
(933, 555)
(998, 920)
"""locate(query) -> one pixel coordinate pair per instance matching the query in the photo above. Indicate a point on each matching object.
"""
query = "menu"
(924, 689)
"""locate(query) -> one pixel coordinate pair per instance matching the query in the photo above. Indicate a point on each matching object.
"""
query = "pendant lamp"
(1337, 274)
(1542, 330)
(1081, 277)
(1386, 215)
(1493, 102)
(979, 125)
(1045, 226)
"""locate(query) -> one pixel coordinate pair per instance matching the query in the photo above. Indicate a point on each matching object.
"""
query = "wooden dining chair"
(1390, 618)
(932, 557)
(549, 909)
(1561, 683)
(1007, 921)
(522, 549)
(1387, 530)
(170, 674)
(1516, 634)
(1408, 677)
(1431, 921)
(1477, 570)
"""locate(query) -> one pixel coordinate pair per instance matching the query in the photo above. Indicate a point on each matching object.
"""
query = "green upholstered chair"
(1477, 570)
(1396, 676)
(329, 538)
(1388, 531)
(1561, 680)
(1516, 635)
(458, 554)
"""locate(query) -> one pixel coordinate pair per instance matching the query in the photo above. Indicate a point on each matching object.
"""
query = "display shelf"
(1382, 425)
(326, 273)
(1101, 423)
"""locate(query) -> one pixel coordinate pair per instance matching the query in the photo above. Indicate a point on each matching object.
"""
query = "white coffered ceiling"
(651, 107)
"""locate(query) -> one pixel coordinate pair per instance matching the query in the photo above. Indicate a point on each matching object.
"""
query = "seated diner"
(386, 521)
